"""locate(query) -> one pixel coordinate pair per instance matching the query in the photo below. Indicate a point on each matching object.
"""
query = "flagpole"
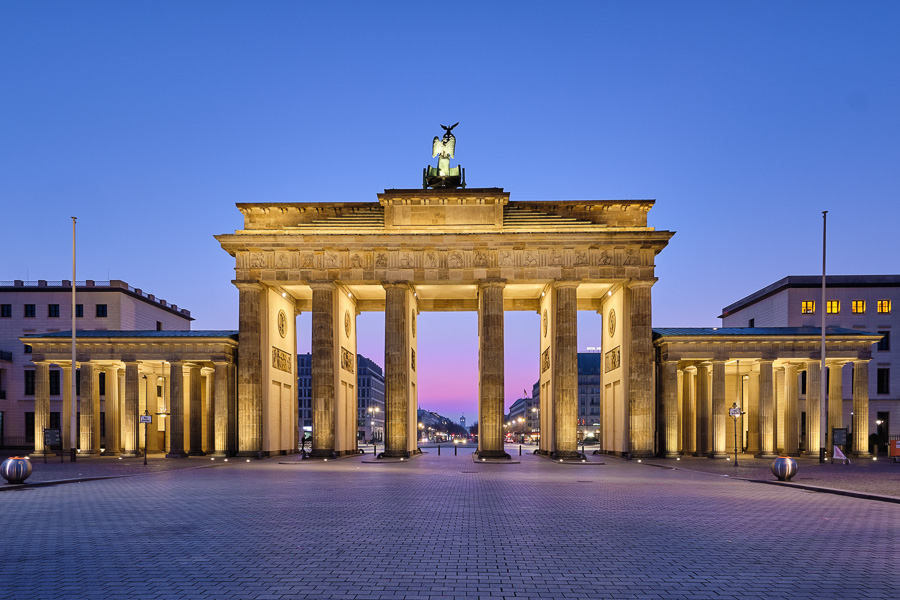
(823, 374)
(73, 423)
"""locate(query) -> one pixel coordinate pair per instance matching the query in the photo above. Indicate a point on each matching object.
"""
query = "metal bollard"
(455, 447)
(439, 449)
(520, 449)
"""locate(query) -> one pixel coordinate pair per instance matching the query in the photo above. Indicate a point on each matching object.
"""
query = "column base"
(40, 454)
(322, 453)
(493, 454)
(196, 453)
(394, 454)
(642, 454)
(181, 454)
(88, 452)
(765, 455)
(108, 453)
(130, 455)
(219, 455)
(717, 455)
(671, 455)
(809, 454)
(861, 454)
(566, 455)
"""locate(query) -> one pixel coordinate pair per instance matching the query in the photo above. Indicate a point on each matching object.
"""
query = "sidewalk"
(876, 477)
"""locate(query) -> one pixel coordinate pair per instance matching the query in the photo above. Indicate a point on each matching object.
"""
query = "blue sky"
(150, 120)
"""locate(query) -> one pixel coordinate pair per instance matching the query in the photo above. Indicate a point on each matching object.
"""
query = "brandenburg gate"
(448, 248)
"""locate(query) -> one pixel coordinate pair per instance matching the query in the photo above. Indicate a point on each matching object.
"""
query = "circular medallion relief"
(611, 322)
(282, 323)
(347, 322)
(413, 320)
(544, 320)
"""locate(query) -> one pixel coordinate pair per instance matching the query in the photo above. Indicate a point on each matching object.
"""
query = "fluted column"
(719, 411)
(766, 411)
(490, 370)
(66, 408)
(130, 436)
(791, 412)
(250, 368)
(209, 410)
(565, 370)
(861, 408)
(688, 410)
(396, 370)
(41, 404)
(323, 369)
(813, 408)
(176, 410)
(835, 399)
(752, 411)
(220, 422)
(112, 411)
(196, 413)
(88, 423)
(640, 370)
(703, 409)
(669, 385)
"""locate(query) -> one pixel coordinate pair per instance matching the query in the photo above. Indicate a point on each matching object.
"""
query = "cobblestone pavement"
(443, 527)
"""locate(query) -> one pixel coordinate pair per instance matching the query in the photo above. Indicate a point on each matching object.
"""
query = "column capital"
(247, 285)
(492, 283)
(637, 283)
(324, 284)
(566, 283)
(858, 361)
(405, 285)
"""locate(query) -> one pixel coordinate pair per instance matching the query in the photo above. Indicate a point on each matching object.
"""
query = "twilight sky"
(150, 120)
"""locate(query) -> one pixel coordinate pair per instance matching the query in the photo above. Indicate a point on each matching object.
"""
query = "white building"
(29, 307)
(860, 302)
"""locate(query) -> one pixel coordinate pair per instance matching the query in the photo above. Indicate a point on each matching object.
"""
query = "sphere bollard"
(784, 467)
(15, 469)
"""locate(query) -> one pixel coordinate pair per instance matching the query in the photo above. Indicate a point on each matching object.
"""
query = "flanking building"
(38, 307)
(853, 302)
(370, 397)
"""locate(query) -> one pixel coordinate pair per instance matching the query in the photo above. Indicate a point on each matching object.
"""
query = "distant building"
(462, 422)
(36, 307)
(370, 397)
(861, 302)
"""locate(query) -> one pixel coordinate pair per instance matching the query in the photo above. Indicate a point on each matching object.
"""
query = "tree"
(473, 428)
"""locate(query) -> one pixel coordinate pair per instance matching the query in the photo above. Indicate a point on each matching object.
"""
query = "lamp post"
(736, 414)
(373, 410)
(536, 411)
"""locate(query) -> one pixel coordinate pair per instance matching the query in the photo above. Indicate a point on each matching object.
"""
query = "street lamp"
(373, 410)
(736, 414)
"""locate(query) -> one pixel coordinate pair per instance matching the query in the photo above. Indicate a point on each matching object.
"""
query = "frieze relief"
(612, 360)
(281, 360)
(545, 360)
(347, 360)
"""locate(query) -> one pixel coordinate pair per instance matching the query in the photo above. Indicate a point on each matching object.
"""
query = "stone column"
(251, 300)
(323, 369)
(490, 370)
(835, 399)
(88, 424)
(703, 409)
(688, 411)
(220, 422)
(766, 411)
(861, 408)
(396, 370)
(791, 412)
(66, 408)
(813, 408)
(176, 410)
(209, 410)
(112, 411)
(196, 413)
(669, 384)
(640, 371)
(719, 411)
(130, 435)
(41, 405)
(753, 412)
(231, 447)
(565, 371)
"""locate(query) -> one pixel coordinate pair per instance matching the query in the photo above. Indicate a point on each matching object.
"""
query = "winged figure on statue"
(444, 176)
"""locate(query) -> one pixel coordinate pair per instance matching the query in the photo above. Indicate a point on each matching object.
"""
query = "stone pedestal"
(490, 370)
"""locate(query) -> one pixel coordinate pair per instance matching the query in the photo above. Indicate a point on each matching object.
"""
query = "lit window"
(808, 307)
(859, 307)
(884, 306)
(833, 307)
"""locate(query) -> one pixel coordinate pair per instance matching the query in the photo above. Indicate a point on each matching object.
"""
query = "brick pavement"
(443, 527)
